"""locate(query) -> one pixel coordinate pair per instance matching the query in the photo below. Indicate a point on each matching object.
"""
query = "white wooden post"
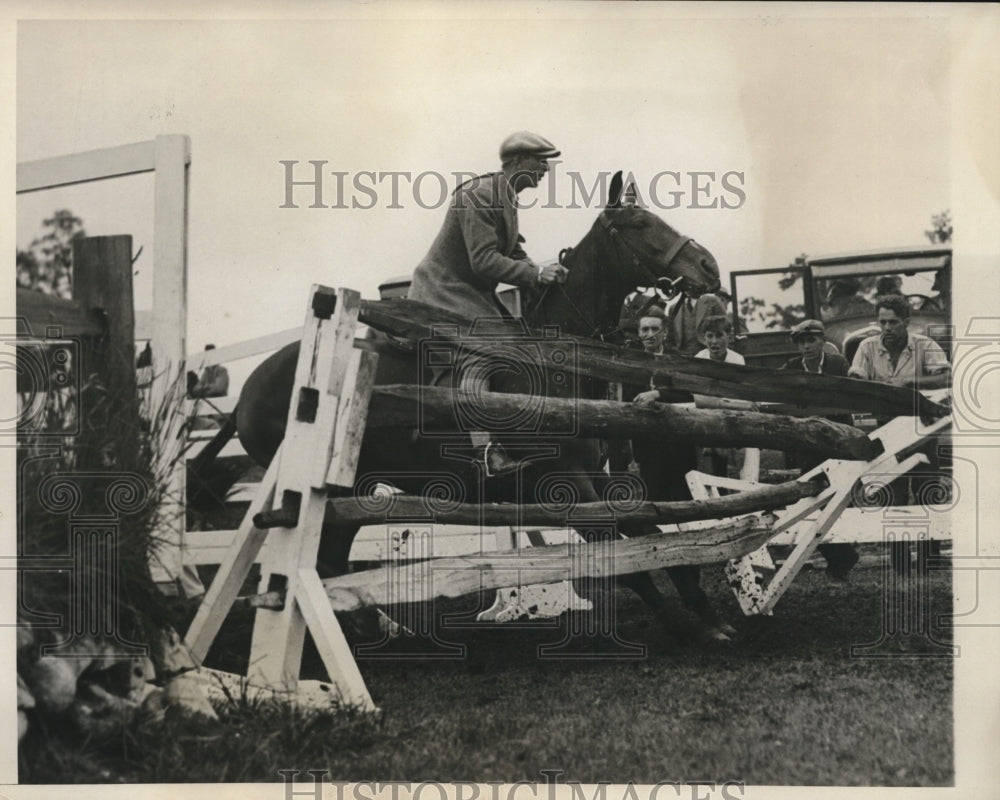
(322, 437)
(172, 154)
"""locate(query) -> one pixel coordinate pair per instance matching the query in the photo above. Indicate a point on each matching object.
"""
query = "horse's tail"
(207, 483)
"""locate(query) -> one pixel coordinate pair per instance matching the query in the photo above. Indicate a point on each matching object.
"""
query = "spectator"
(684, 318)
(902, 358)
(888, 284)
(809, 337)
(214, 380)
(844, 299)
(663, 469)
(145, 357)
(716, 332)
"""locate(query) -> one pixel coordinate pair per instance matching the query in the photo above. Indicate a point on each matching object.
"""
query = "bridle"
(667, 286)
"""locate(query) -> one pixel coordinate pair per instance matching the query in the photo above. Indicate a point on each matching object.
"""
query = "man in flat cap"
(809, 337)
(816, 354)
(479, 247)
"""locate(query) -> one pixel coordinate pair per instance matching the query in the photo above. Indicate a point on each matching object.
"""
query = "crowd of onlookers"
(700, 326)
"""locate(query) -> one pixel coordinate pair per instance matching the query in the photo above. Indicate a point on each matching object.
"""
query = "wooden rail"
(589, 359)
(433, 409)
(45, 311)
(765, 498)
(454, 577)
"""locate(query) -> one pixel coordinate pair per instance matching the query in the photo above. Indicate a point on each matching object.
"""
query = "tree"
(941, 228)
(47, 264)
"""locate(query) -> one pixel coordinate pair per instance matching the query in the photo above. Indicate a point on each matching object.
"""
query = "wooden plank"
(340, 371)
(868, 526)
(352, 417)
(232, 449)
(244, 547)
(330, 642)
(246, 349)
(43, 311)
(811, 536)
(110, 162)
(349, 510)
(855, 526)
(170, 254)
(209, 405)
(433, 408)
(171, 156)
(699, 376)
(143, 325)
(454, 577)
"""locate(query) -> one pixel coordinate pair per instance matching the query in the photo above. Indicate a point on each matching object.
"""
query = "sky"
(834, 133)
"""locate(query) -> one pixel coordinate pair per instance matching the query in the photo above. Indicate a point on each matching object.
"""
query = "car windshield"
(770, 300)
(847, 296)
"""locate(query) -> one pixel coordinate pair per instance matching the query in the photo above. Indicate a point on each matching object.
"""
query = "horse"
(627, 246)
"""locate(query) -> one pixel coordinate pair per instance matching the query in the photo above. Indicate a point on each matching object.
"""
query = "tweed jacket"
(682, 323)
(477, 248)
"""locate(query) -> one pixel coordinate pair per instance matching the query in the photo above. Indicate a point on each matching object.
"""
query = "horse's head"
(651, 252)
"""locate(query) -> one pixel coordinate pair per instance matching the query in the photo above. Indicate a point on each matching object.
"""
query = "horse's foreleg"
(333, 560)
(687, 581)
(335, 549)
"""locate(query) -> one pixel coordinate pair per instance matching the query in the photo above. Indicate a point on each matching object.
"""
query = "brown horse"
(626, 247)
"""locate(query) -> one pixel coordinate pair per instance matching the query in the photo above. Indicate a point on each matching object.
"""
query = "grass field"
(786, 703)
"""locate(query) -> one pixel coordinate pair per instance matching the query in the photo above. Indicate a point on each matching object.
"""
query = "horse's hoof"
(714, 636)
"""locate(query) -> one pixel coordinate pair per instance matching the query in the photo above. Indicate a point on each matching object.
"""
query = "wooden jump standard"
(327, 417)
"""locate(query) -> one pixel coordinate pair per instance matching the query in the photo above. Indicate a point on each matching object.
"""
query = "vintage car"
(840, 290)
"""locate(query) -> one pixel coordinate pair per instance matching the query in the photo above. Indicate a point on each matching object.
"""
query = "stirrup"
(496, 461)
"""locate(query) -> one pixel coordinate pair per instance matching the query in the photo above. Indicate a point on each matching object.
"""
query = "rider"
(477, 248)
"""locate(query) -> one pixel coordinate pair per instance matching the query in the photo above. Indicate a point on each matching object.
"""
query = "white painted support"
(171, 155)
(246, 349)
(532, 601)
(900, 435)
(330, 642)
(751, 465)
(240, 556)
(92, 165)
(325, 367)
(826, 518)
(352, 416)
(168, 157)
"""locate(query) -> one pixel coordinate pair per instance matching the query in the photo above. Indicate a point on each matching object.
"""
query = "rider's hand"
(552, 273)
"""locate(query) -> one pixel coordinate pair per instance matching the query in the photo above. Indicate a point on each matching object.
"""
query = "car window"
(851, 296)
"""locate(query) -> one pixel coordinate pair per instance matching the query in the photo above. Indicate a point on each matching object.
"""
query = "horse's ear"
(629, 196)
(615, 195)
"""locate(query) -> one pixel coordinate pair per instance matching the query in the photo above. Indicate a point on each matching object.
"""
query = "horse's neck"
(589, 301)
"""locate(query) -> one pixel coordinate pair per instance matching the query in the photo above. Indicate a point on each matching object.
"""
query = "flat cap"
(809, 326)
(527, 143)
